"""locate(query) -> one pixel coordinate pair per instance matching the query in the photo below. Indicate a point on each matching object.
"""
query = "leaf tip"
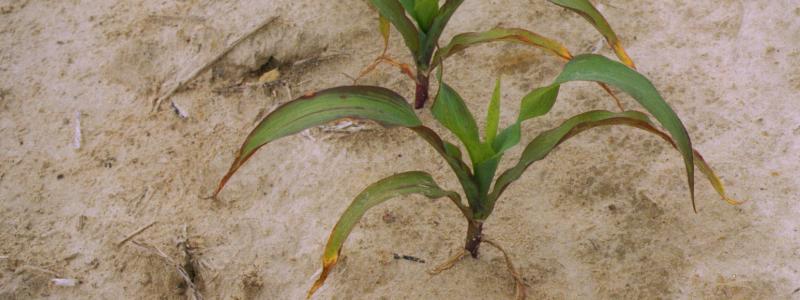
(327, 265)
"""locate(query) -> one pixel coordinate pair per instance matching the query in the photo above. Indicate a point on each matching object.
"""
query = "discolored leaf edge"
(414, 182)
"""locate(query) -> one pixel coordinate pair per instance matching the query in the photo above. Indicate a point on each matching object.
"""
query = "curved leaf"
(435, 31)
(516, 35)
(452, 155)
(451, 111)
(543, 144)
(391, 187)
(586, 10)
(590, 67)
(393, 11)
(361, 102)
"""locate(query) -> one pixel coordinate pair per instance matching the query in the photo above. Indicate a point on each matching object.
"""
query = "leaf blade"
(543, 144)
(402, 184)
(585, 9)
(590, 67)
(516, 35)
(451, 111)
(361, 102)
(437, 28)
(426, 11)
(396, 14)
(493, 115)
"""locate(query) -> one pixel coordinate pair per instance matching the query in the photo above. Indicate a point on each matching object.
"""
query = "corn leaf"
(449, 109)
(377, 193)
(465, 40)
(590, 67)
(408, 5)
(361, 102)
(535, 104)
(452, 155)
(586, 10)
(425, 11)
(493, 115)
(435, 31)
(396, 14)
(543, 144)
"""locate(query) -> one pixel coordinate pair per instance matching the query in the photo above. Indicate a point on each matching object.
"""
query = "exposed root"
(383, 58)
(185, 268)
(520, 285)
(449, 263)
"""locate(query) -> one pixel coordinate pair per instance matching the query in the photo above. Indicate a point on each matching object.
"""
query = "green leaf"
(361, 102)
(465, 40)
(452, 155)
(538, 102)
(585, 9)
(425, 11)
(449, 109)
(597, 68)
(543, 144)
(493, 115)
(391, 187)
(408, 5)
(435, 31)
(396, 14)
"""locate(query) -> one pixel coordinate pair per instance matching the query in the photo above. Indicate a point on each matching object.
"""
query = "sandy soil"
(605, 216)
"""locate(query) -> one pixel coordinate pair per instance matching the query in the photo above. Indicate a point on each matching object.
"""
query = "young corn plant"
(480, 184)
(421, 23)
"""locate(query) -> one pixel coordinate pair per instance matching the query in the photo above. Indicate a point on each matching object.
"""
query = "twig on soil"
(520, 285)
(449, 263)
(135, 233)
(37, 269)
(183, 81)
(190, 286)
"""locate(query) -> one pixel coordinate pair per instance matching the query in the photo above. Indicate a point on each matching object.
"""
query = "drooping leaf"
(449, 109)
(396, 14)
(493, 115)
(361, 102)
(435, 31)
(590, 67)
(465, 40)
(426, 11)
(543, 144)
(586, 10)
(452, 155)
(700, 162)
(391, 187)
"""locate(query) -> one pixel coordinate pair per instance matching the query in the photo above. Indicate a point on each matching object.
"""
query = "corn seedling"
(421, 23)
(479, 183)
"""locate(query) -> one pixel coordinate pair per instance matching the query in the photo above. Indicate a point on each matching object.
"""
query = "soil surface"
(85, 162)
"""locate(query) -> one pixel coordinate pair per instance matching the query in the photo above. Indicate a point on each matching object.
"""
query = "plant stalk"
(474, 237)
(422, 89)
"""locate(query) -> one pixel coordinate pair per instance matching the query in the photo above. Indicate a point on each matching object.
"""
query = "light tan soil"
(606, 216)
